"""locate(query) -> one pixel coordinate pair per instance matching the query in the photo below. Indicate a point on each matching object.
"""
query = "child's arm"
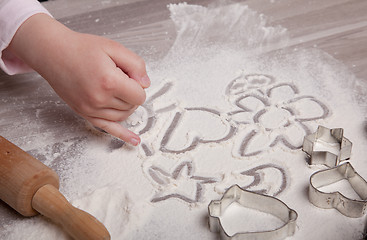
(98, 78)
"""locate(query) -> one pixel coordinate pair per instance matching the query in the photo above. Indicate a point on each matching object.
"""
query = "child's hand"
(98, 78)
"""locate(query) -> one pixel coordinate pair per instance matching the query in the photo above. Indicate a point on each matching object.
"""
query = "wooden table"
(337, 27)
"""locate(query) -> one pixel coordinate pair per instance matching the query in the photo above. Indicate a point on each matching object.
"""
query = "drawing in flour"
(269, 113)
(247, 82)
(269, 179)
(273, 112)
(260, 184)
(188, 133)
(181, 183)
(264, 113)
(145, 117)
(184, 132)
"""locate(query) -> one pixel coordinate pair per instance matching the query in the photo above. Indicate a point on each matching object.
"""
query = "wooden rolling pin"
(30, 187)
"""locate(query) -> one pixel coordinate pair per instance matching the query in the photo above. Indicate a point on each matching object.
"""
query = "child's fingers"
(102, 100)
(116, 130)
(119, 104)
(128, 90)
(111, 114)
(129, 62)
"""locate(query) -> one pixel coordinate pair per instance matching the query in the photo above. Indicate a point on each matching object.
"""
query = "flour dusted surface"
(225, 107)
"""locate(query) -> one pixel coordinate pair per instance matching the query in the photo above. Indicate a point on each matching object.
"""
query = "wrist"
(36, 39)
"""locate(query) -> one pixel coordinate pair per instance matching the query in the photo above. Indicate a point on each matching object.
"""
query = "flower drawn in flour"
(247, 82)
(181, 183)
(276, 113)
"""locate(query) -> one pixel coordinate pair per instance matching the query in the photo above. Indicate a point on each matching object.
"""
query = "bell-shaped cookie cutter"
(329, 137)
(255, 201)
(348, 207)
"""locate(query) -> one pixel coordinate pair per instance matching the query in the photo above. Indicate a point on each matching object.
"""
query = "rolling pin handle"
(79, 224)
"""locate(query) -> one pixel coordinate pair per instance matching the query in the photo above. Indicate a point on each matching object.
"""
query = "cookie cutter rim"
(353, 208)
(328, 136)
(260, 202)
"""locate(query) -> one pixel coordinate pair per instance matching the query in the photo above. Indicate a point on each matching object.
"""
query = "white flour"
(223, 109)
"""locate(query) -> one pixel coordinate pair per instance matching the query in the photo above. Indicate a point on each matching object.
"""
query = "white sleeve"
(12, 14)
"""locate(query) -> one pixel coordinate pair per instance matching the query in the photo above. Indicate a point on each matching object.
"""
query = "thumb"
(129, 62)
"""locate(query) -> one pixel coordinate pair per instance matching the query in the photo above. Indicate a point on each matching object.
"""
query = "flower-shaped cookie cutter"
(255, 201)
(329, 137)
(349, 207)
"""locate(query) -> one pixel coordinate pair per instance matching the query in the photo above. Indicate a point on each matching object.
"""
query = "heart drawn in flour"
(195, 126)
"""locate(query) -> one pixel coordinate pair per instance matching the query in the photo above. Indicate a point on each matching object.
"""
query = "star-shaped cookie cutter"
(329, 137)
(255, 201)
(349, 207)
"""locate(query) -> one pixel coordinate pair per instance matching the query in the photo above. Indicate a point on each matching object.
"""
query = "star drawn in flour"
(181, 183)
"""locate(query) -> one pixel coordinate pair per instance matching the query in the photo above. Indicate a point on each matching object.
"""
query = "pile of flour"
(227, 106)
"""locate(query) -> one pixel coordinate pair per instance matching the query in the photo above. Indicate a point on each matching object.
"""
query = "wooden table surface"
(339, 27)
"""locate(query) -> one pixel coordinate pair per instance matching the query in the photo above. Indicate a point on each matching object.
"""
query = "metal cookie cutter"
(255, 201)
(329, 137)
(348, 207)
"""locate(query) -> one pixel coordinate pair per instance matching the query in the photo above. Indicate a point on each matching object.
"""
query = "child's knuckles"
(93, 101)
(108, 82)
(98, 101)
(84, 109)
